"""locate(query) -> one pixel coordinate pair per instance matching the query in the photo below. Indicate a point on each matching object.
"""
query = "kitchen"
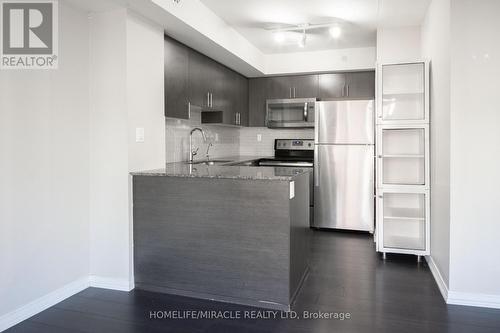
(263, 166)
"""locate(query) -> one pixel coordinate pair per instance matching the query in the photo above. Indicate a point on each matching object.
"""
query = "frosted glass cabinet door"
(402, 156)
(403, 93)
(403, 220)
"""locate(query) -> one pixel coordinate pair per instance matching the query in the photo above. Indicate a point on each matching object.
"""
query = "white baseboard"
(469, 299)
(110, 283)
(443, 288)
(460, 298)
(15, 317)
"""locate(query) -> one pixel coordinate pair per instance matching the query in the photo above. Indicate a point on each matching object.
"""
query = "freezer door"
(344, 187)
(345, 122)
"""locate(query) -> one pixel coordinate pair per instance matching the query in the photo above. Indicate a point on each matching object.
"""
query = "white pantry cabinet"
(403, 158)
(403, 93)
(403, 221)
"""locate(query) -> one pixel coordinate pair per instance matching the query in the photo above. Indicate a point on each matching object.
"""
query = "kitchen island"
(229, 232)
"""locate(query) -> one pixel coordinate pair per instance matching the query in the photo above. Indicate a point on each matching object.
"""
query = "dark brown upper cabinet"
(354, 85)
(331, 85)
(304, 86)
(200, 77)
(257, 95)
(360, 84)
(192, 78)
(176, 79)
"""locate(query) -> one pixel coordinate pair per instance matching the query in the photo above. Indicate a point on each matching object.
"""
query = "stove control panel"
(294, 144)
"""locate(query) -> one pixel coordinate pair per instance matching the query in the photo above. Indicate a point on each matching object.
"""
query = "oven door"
(290, 113)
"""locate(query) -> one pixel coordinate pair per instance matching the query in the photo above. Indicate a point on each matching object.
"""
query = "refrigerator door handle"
(316, 166)
(316, 122)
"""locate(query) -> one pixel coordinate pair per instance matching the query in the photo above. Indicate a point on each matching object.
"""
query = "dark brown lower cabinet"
(234, 240)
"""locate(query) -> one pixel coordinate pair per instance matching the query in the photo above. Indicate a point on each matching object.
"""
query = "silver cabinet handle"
(208, 99)
(239, 118)
(305, 111)
(290, 92)
(189, 110)
(294, 93)
(211, 100)
(347, 87)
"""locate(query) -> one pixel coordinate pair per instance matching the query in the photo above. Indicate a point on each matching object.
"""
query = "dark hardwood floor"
(396, 295)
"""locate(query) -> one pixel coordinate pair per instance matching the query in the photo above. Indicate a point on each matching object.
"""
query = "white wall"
(435, 35)
(475, 142)
(126, 93)
(145, 99)
(44, 172)
(398, 44)
(321, 61)
(109, 217)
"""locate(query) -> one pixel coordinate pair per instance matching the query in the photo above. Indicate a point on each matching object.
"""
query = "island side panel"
(221, 237)
(300, 234)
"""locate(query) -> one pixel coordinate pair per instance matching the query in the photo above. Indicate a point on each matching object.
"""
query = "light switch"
(292, 189)
(259, 137)
(216, 137)
(139, 134)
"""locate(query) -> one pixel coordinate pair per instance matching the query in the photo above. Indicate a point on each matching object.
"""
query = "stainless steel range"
(292, 156)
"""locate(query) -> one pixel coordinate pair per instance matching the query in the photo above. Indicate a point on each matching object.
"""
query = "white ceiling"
(359, 19)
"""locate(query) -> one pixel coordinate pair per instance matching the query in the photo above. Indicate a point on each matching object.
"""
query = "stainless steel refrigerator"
(344, 169)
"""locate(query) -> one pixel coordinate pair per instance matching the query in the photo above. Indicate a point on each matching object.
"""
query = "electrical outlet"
(139, 134)
(259, 137)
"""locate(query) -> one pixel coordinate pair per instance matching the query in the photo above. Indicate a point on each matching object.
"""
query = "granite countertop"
(226, 170)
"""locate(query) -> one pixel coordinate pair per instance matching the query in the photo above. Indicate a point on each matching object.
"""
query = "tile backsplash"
(249, 145)
(227, 141)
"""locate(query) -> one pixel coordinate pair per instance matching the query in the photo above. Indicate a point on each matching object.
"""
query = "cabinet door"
(403, 221)
(304, 86)
(279, 87)
(200, 75)
(257, 95)
(404, 94)
(360, 85)
(403, 156)
(228, 98)
(242, 100)
(331, 86)
(176, 79)
(219, 85)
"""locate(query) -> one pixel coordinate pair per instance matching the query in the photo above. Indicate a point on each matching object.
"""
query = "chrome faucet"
(193, 153)
(208, 150)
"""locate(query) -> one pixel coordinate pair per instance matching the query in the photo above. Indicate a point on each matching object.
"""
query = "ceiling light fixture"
(335, 32)
(280, 35)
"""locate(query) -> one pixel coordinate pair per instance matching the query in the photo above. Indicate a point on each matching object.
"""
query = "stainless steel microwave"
(290, 113)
